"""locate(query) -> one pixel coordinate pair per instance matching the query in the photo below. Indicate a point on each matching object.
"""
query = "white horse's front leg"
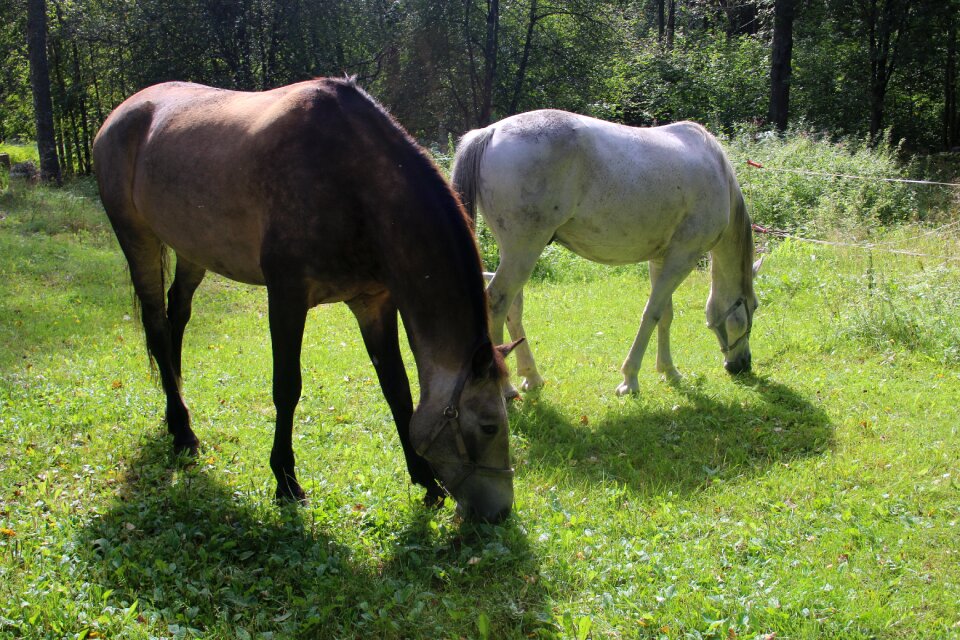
(631, 366)
(659, 306)
(664, 359)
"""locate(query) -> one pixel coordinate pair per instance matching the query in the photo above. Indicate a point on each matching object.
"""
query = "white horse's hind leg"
(664, 359)
(672, 272)
(526, 367)
(514, 270)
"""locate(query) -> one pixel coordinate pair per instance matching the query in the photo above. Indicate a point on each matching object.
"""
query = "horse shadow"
(697, 442)
(200, 556)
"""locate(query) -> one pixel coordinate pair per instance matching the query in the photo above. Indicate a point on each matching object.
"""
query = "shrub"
(783, 195)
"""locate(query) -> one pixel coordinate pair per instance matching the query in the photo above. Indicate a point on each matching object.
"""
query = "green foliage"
(875, 301)
(781, 195)
(708, 79)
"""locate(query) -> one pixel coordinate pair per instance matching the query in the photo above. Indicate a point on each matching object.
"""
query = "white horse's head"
(730, 316)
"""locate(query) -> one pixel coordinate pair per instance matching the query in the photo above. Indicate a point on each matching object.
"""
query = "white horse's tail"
(465, 174)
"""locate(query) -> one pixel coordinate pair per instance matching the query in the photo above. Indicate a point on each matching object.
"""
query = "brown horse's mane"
(420, 162)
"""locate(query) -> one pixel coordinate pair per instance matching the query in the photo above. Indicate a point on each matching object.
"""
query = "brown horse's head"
(465, 437)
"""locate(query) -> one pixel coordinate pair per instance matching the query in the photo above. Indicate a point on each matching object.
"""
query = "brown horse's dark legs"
(288, 315)
(188, 277)
(157, 329)
(144, 254)
(377, 317)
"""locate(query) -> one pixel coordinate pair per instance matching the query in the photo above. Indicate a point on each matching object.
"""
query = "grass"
(20, 152)
(819, 497)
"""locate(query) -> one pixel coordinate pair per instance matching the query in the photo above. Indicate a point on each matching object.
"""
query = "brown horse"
(314, 191)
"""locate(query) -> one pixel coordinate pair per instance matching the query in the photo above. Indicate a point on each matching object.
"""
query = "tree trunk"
(886, 23)
(40, 83)
(490, 47)
(661, 21)
(781, 64)
(524, 60)
(671, 21)
(951, 119)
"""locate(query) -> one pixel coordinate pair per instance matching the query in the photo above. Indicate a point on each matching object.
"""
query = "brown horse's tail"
(465, 174)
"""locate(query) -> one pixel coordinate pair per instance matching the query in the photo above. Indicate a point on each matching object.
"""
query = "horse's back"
(611, 193)
(209, 170)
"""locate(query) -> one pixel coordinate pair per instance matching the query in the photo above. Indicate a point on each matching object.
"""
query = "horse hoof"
(187, 448)
(672, 375)
(433, 498)
(510, 392)
(628, 388)
(532, 382)
(292, 493)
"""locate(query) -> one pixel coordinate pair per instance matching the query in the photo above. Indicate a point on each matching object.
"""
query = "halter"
(451, 418)
(720, 327)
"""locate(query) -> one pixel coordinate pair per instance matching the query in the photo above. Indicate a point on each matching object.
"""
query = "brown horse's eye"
(489, 429)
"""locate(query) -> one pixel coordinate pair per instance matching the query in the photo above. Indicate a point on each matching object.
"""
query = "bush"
(781, 196)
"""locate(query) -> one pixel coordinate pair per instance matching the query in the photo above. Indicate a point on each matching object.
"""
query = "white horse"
(616, 195)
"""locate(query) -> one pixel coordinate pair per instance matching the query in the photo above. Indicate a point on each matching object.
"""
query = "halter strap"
(451, 418)
(721, 326)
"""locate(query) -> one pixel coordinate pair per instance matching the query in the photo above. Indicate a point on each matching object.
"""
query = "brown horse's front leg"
(288, 314)
(377, 317)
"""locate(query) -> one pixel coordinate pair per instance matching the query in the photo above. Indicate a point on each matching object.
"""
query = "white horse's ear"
(757, 265)
(505, 349)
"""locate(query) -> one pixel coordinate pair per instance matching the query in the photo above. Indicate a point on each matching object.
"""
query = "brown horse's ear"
(505, 349)
(485, 363)
(483, 359)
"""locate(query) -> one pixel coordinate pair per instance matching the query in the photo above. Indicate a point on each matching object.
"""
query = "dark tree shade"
(40, 81)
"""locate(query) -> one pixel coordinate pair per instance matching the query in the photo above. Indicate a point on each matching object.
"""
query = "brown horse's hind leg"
(179, 305)
(145, 253)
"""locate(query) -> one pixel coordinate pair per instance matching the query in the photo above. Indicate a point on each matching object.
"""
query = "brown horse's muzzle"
(485, 499)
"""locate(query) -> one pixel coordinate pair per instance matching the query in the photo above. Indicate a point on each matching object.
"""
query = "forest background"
(863, 68)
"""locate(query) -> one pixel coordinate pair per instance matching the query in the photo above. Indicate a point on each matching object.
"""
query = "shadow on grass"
(202, 557)
(699, 440)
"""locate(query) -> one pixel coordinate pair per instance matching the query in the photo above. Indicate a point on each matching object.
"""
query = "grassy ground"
(817, 498)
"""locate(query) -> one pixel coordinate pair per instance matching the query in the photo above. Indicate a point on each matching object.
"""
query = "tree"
(951, 117)
(40, 82)
(781, 63)
(886, 22)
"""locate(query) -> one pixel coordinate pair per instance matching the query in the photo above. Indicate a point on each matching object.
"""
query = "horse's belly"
(230, 265)
(217, 242)
(607, 244)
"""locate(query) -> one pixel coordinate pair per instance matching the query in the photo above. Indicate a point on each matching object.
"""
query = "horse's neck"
(729, 267)
(443, 321)
(442, 351)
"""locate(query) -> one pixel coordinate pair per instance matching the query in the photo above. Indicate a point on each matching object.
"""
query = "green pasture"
(818, 497)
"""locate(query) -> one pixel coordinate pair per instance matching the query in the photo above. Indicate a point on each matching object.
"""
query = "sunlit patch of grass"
(817, 497)
(74, 211)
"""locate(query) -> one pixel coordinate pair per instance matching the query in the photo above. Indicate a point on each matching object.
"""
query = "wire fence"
(884, 247)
